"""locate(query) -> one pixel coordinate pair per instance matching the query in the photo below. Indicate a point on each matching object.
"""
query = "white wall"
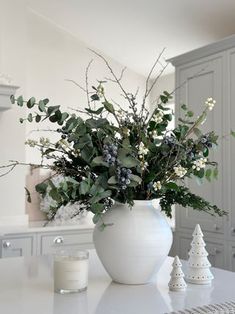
(165, 83)
(12, 134)
(40, 56)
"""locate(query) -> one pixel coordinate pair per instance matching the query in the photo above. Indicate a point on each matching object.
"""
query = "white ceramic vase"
(134, 247)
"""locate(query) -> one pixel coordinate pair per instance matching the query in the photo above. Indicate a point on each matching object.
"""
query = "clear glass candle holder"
(71, 271)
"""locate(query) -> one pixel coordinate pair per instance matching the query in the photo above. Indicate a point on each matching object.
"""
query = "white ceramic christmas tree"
(177, 282)
(198, 264)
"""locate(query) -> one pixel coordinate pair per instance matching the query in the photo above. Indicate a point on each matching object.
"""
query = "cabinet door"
(20, 246)
(230, 165)
(231, 256)
(214, 248)
(203, 79)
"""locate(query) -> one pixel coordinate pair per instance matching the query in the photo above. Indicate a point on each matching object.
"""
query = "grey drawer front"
(20, 246)
(49, 244)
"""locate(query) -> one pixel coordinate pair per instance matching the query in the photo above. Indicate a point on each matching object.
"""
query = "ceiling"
(134, 32)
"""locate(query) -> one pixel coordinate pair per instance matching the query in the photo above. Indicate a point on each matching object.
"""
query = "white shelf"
(5, 92)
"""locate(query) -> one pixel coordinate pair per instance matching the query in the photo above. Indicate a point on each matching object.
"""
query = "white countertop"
(26, 287)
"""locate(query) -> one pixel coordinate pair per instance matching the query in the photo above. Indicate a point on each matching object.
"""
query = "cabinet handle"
(58, 240)
(233, 230)
(216, 227)
(233, 254)
(6, 244)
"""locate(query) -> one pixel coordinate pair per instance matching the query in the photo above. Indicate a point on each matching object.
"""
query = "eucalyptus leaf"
(20, 101)
(108, 106)
(136, 178)
(83, 188)
(42, 106)
(208, 174)
(31, 102)
(99, 161)
(112, 180)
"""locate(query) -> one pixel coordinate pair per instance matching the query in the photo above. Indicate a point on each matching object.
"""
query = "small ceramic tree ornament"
(177, 282)
(198, 264)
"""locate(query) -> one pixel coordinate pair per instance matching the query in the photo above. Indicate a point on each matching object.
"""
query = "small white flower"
(154, 135)
(118, 135)
(44, 141)
(180, 171)
(143, 165)
(142, 149)
(63, 143)
(157, 186)
(158, 117)
(126, 131)
(199, 164)
(121, 114)
(31, 143)
(77, 153)
(210, 103)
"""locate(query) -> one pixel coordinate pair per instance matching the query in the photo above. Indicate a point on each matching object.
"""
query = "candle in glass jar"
(71, 272)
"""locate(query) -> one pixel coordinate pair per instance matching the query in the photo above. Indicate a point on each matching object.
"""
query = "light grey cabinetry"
(18, 245)
(45, 241)
(52, 242)
(210, 72)
(200, 80)
(231, 142)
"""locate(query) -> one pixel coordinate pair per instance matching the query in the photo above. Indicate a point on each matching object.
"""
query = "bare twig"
(14, 163)
(137, 91)
(156, 79)
(148, 79)
(80, 111)
(173, 91)
(87, 85)
(74, 82)
(152, 69)
(116, 79)
(43, 130)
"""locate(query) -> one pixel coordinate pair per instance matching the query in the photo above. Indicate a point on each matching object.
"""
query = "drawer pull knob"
(6, 244)
(233, 254)
(58, 240)
(233, 230)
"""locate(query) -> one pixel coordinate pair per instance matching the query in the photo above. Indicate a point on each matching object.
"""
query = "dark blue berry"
(110, 153)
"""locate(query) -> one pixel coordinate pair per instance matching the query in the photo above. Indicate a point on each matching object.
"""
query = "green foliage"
(134, 157)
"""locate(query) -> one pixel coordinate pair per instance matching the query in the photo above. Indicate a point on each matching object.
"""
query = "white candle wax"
(70, 274)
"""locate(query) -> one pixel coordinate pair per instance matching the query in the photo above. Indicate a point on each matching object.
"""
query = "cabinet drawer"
(50, 243)
(14, 247)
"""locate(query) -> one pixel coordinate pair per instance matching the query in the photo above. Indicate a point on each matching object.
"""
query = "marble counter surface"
(26, 287)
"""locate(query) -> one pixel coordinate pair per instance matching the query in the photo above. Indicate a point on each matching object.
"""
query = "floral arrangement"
(122, 153)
